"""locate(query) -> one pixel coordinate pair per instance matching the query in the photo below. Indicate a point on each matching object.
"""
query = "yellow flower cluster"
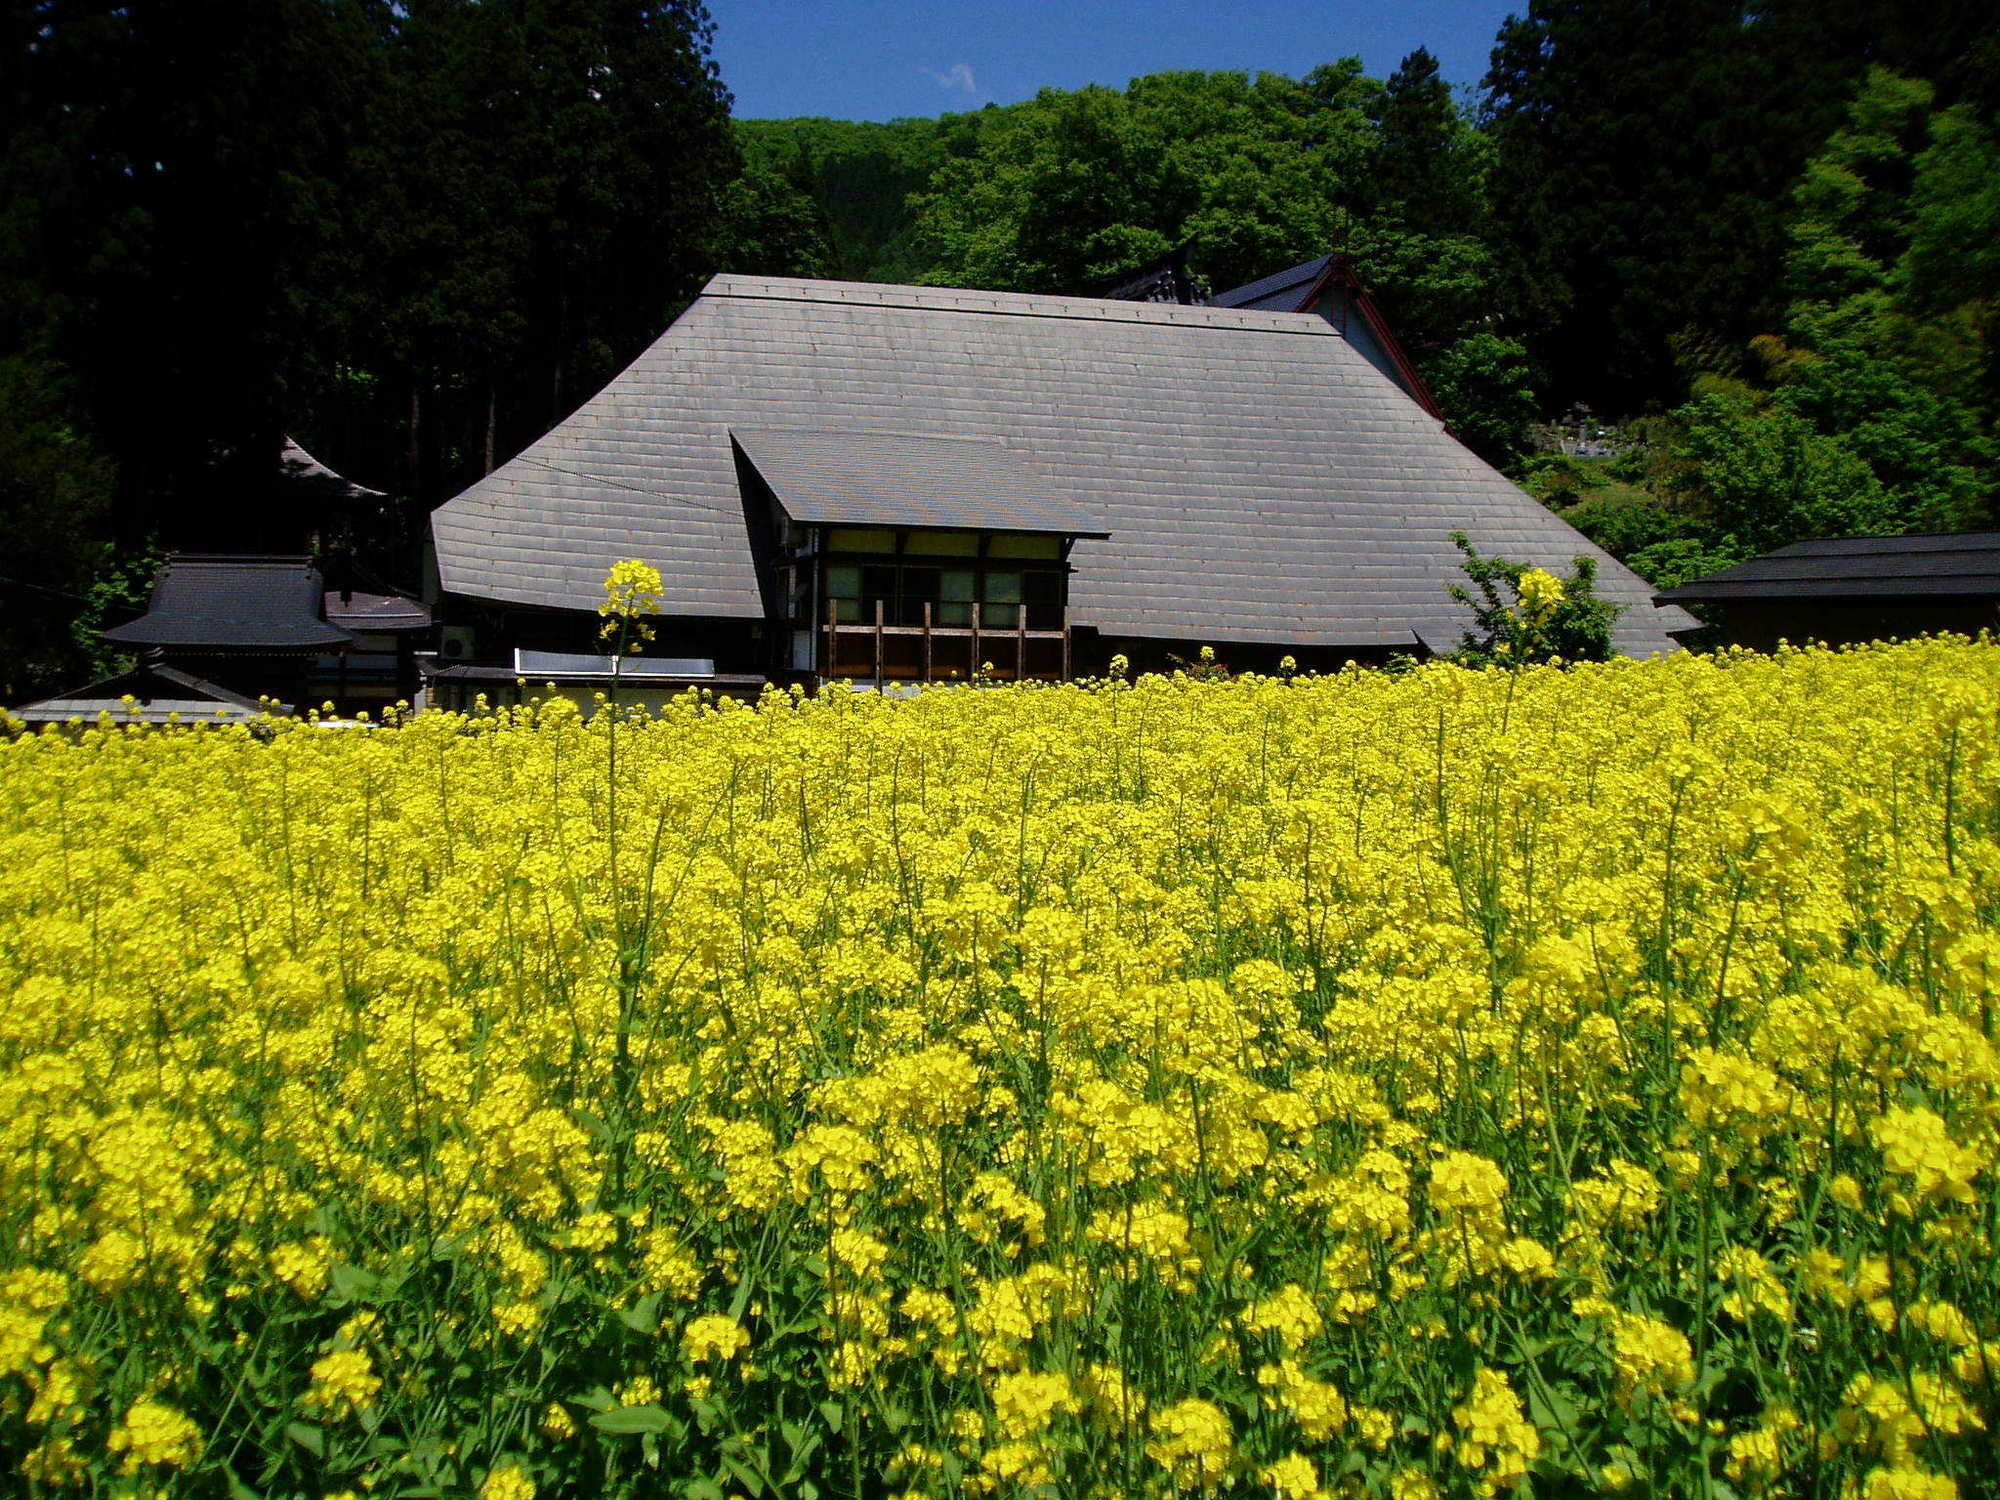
(1404, 1085)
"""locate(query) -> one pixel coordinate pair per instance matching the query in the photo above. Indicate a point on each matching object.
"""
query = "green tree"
(1072, 189)
(56, 494)
(1538, 617)
(771, 228)
(1645, 150)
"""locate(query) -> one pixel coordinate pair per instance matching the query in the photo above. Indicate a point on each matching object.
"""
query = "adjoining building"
(269, 626)
(891, 484)
(1329, 287)
(1846, 590)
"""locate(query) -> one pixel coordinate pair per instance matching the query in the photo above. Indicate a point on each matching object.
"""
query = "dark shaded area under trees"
(1757, 238)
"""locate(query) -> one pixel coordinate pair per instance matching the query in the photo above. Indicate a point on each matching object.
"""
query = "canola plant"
(1551, 1082)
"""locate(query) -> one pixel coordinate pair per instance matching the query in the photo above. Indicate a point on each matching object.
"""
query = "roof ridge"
(1009, 304)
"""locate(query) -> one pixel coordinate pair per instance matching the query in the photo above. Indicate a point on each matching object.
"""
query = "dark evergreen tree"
(1423, 169)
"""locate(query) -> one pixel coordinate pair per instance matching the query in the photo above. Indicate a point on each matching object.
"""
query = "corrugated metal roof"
(1964, 565)
(235, 603)
(874, 479)
(1281, 291)
(1240, 510)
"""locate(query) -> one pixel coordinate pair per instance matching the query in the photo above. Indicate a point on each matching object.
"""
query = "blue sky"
(878, 59)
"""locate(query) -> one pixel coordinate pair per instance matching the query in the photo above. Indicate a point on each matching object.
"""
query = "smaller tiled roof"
(1281, 291)
(375, 612)
(893, 479)
(1959, 565)
(158, 695)
(235, 603)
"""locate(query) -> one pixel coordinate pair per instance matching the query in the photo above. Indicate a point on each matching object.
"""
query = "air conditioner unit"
(455, 643)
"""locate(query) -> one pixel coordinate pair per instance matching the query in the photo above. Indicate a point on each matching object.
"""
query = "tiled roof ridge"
(1011, 304)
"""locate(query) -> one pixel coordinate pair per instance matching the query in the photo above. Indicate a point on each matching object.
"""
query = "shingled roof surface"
(1860, 567)
(1237, 512)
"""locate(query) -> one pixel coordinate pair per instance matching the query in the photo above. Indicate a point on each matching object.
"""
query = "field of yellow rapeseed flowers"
(1455, 1083)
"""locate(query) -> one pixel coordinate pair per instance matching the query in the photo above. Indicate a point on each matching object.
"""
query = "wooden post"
(1020, 642)
(832, 625)
(1065, 644)
(927, 642)
(878, 643)
(974, 672)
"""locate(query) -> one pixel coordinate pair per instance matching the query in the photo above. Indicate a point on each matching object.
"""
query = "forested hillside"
(1754, 240)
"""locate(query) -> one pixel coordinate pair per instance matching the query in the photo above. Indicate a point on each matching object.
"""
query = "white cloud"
(957, 78)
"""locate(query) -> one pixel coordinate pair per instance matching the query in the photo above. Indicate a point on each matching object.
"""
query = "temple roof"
(235, 602)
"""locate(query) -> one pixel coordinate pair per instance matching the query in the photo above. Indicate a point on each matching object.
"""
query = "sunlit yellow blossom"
(1496, 1441)
(342, 1381)
(508, 1482)
(154, 1434)
(714, 1337)
(1916, 1145)
(1192, 1440)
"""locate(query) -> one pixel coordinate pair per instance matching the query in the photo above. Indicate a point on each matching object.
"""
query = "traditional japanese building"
(893, 483)
(1845, 590)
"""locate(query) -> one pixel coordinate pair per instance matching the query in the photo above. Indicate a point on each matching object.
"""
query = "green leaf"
(749, 1478)
(643, 1316)
(238, 1490)
(353, 1284)
(630, 1420)
(702, 1489)
(833, 1414)
(307, 1437)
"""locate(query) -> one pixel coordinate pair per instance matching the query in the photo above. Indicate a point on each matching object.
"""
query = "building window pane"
(957, 583)
(1003, 588)
(843, 583)
(1000, 616)
(955, 615)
